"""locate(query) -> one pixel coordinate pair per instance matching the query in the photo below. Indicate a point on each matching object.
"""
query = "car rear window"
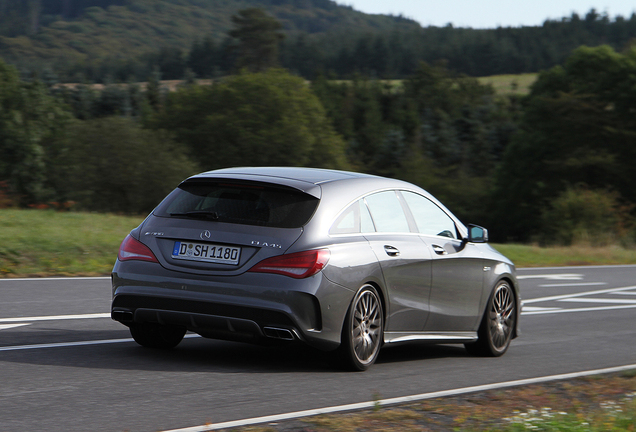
(249, 204)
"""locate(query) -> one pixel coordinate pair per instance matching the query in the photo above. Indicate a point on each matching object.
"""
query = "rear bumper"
(246, 308)
(211, 320)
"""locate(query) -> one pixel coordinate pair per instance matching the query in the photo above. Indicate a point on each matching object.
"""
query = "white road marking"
(581, 294)
(63, 344)
(54, 318)
(75, 344)
(598, 300)
(52, 279)
(398, 400)
(10, 326)
(582, 267)
(536, 308)
(590, 309)
(573, 284)
(562, 276)
(578, 297)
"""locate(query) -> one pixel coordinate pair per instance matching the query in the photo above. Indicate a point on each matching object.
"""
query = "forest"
(126, 40)
(550, 167)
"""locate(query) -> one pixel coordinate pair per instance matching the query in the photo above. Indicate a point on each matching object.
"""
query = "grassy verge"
(591, 404)
(50, 243)
(535, 256)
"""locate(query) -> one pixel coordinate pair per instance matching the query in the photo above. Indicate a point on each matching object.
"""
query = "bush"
(113, 165)
(581, 215)
(269, 118)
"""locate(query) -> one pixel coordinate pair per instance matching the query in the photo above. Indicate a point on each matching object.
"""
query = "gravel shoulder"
(595, 401)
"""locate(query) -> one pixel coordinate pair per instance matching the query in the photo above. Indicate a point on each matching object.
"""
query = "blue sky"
(489, 13)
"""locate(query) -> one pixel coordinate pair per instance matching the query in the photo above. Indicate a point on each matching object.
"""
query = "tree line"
(396, 53)
(553, 166)
(90, 40)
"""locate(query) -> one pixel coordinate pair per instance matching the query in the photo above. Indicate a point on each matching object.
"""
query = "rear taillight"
(297, 265)
(132, 249)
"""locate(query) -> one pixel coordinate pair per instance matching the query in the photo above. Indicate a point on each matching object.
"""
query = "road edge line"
(398, 400)
(53, 278)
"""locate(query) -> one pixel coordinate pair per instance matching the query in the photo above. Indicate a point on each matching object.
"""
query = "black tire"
(363, 330)
(157, 335)
(498, 323)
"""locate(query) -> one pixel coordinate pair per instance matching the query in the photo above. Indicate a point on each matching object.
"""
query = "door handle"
(391, 251)
(439, 250)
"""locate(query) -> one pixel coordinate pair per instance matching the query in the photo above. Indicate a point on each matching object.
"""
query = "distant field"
(50, 243)
(503, 84)
(510, 84)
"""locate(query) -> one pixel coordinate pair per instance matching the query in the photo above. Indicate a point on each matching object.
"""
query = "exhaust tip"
(279, 333)
(122, 316)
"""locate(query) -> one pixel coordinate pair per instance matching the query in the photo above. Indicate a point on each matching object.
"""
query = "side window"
(387, 212)
(366, 223)
(430, 219)
(354, 219)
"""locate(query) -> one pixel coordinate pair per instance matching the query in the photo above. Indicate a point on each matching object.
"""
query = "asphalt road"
(66, 366)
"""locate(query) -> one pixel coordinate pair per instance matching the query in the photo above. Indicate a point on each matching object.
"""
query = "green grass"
(557, 256)
(50, 243)
(591, 404)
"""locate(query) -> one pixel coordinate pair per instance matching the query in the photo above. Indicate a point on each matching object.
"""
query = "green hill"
(122, 40)
(62, 33)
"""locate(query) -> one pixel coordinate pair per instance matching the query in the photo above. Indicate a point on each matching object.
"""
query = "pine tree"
(259, 36)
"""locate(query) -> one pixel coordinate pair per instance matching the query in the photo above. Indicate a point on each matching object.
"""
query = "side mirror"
(477, 234)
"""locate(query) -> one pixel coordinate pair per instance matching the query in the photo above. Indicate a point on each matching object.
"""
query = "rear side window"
(355, 219)
(248, 204)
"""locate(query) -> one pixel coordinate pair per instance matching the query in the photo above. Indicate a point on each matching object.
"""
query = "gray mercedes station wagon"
(341, 261)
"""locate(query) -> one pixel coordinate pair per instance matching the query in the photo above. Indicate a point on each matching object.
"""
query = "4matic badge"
(266, 244)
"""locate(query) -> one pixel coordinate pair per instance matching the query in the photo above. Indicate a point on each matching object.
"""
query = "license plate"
(206, 252)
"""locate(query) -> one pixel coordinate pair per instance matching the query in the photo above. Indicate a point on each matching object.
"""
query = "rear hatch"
(226, 226)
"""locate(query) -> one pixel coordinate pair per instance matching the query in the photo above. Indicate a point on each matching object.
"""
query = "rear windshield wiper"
(201, 214)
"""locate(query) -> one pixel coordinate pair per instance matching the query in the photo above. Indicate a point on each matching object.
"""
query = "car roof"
(310, 175)
(307, 180)
(316, 181)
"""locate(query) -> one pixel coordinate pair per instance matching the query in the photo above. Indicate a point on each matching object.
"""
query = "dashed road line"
(582, 297)
(75, 344)
(52, 279)
(581, 294)
(590, 309)
(54, 318)
(556, 276)
(598, 300)
(10, 326)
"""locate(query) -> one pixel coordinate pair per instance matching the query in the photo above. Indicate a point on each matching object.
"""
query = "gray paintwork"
(426, 296)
